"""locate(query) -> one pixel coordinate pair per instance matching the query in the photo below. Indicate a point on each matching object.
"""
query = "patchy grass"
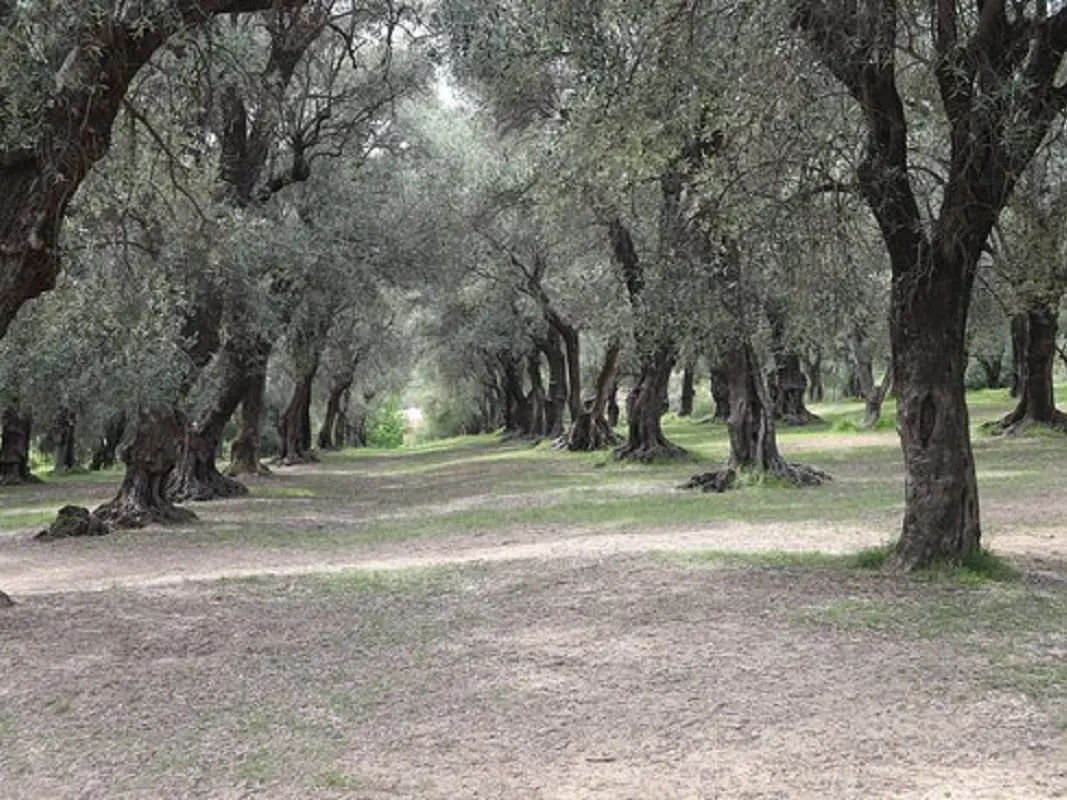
(18, 519)
(390, 581)
(868, 558)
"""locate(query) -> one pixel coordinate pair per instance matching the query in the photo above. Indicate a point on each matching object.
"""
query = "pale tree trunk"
(873, 400)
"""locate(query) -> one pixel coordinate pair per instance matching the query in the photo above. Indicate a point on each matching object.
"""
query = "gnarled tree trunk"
(535, 398)
(790, 387)
(813, 367)
(15, 429)
(720, 390)
(295, 426)
(331, 434)
(149, 458)
(644, 410)
(571, 347)
(64, 455)
(876, 395)
(753, 440)
(613, 411)
(557, 398)
(592, 430)
(244, 451)
(1036, 399)
(1018, 352)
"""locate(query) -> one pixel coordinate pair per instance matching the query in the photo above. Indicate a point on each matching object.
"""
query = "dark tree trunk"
(593, 430)
(15, 448)
(557, 398)
(332, 433)
(515, 408)
(1018, 352)
(244, 451)
(535, 399)
(64, 455)
(644, 408)
(1036, 399)
(149, 458)
(574, 371)
(753, 440)
(613, 411)
(720, 390)
(791, 385)
(295, 428)
(928, 328)
(685, 406)
(197, 476)
(104, 455)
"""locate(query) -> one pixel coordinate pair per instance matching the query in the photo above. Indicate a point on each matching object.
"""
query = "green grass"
(391, 581)
(869, 558)
(17, 519)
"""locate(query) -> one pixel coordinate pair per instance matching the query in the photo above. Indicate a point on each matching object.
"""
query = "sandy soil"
(535, 662)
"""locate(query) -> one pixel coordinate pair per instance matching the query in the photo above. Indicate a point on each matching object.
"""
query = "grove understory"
(534, 621)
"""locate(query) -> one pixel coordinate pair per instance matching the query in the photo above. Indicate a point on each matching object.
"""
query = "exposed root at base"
(19, 480)
(658, 452)
(213, 487)
(126, 513)
(1016, 424)
(236, 469)
(587, 435)
(729, 476)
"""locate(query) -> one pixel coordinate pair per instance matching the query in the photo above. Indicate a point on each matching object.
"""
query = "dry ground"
(523, 624)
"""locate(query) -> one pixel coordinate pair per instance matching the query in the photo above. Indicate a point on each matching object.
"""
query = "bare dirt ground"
(537, 660)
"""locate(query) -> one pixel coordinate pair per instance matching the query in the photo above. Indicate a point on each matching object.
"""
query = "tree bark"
(535, 398)
(720, 390)
(791, 386)
(15, 447)
(753, 440)
(295, 426)
(331, 434)
(685, 406)
(1036, 398)
(571, 346)
(244, 451)
(644, 409)
(557, 399)
(613, 411)
(64, 455)
(592, 430)
(1018, 352)
(813, 366)
(150, 458)
(104, 455)
(876, 396)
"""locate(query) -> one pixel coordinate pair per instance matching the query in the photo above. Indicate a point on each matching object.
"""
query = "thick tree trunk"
(535, 399)
(295, 426)
(244, 451)
(1036, 399)
(927, 329)
(644, 408)
(332, 434)
(791, 386)
(720, 390)
(574, 371)
(64, 455)
(593, 429)
(1018, 352)
(197, 476)
(104, 455)
(753, 439)
(15, 448)
(557, 398)
(685, 405)
(150, 458)
(613, 409)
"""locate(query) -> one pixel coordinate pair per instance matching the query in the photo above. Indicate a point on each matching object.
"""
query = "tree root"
(661, 451)
(74, 521)
(588, 434)
(729, 477)
(126, 512)
(1016, 424)
(6, 601)
(798, 419)
(214, 486)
